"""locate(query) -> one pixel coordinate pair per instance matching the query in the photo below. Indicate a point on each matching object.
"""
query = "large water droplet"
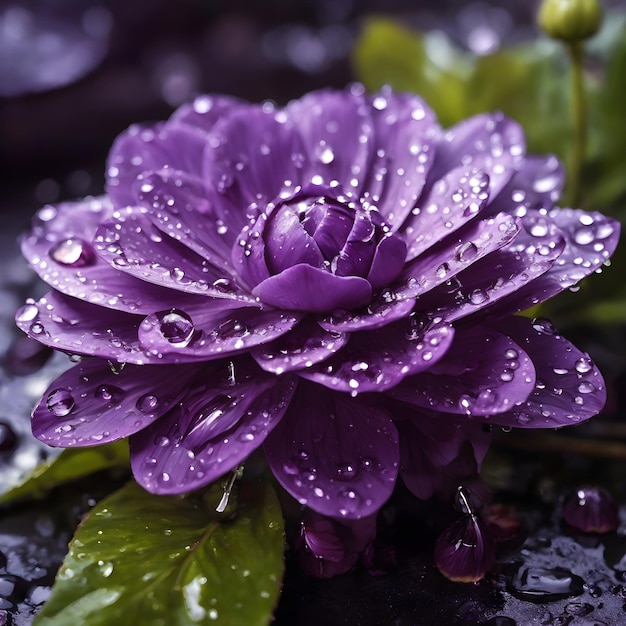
(175, 326)
(73, 252)
(147, 403)
(466, 252)
(60, 402)
(542, 584)
(232, 329)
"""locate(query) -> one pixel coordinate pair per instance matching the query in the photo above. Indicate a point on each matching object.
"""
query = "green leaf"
(149, 560)
(71, 464)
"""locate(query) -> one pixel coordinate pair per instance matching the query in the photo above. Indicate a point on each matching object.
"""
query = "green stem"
(579, 112)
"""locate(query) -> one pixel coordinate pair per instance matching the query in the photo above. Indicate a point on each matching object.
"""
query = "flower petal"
(307, 288)
(302, 347)
(142, 149)
(490, 142)
(378, 359)
(446, 259)
(382, 310)
(484, 372)
(337, 455)
(131, 243)
(590, 239)
(90, 405)
(205, 110)
(336, 128)
(405, 130)
(537, 184)
(569, 388)
(501, 273)
(212, 431)
(252, 157)
(454, 200)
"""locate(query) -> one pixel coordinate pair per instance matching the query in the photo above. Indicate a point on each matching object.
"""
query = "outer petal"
(89, 405)
(490, 142)
(143, 149)
(500, 274)
(569, 387)
(379, 359)
(205, 110)
(591, 238)
(307, 288)
(454, 200)
(173, 335)
(302, 347)
(446, 259)
(483, 373)
(211, 432)
(60, 249)
(405, 130)
(337, 455)
(537, 184)
(336, 128)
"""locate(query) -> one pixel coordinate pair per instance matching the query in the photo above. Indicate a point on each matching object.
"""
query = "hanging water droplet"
(60, 402)
(73, 252)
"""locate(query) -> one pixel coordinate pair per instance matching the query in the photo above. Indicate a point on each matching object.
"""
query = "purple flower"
(335, 281)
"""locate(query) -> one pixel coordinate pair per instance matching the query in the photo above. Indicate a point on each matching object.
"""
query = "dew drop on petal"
(60, 402)
(147, 403)
(73, 252)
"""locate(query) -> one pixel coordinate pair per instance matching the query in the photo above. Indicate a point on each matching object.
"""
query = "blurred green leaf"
(151, 560)
(70, 465)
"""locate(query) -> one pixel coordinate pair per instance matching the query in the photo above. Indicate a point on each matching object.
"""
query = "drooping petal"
(336, 454)
(483, 372)
(405, 130)
(454, 200)
(335, 128)
(379, 359)
(307, 288)
(90, 405)
(490, 142)
(300, 348)
(569, 388)
(144, 149)
(220, 423)
(438, 450)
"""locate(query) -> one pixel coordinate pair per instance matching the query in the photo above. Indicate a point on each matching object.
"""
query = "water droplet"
(73, 252)
(586, 387)
(232, 329)
(583, 365)
(542, 584)
(584, 236)
(108, 393)
(466, 252)
(60, 402)
(543, 326)
(147, 403)
(174, 325)
(27, 313)
(224, 285)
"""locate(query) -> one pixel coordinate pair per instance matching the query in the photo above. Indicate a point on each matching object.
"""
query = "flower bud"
(570, 20)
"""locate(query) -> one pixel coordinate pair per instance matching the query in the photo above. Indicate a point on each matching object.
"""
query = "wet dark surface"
(53, 142)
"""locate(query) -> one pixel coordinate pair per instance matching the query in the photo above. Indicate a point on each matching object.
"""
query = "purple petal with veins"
(379, 359)
(337, 455)
(90, 405)
(483, 372)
